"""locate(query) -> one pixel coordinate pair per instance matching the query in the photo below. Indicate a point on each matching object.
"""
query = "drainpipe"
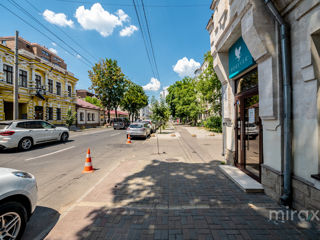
(287, 95)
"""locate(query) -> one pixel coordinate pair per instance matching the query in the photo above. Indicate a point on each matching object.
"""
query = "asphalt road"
(58, 170)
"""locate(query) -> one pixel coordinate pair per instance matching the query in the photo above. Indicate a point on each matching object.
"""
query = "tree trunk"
(108, 115)
(115, 110)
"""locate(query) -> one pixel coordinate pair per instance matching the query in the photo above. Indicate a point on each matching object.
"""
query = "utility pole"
(16, 82)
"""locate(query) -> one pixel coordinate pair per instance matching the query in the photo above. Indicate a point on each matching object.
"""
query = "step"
(245, 182)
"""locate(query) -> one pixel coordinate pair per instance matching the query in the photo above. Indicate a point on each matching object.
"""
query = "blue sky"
(177, 30)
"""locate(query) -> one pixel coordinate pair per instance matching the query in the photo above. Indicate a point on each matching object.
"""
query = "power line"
(38, 30)
(144, 40)
(36, 20)
(67, 35)
(130, 5)
(149, 34)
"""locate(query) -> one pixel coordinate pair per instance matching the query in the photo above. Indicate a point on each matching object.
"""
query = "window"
(92, 117)
(38, 82)
(35, 125)
(28, 46)
(50, 85)
(88, 116)
(56, 59)
(23, 78)
(69, 91)
(58, 86)
(81, 116)
(4, 42)
(45, 53)
(47, 59)
(47, 125)
(58, 113)
(8, 73)
(50, 113)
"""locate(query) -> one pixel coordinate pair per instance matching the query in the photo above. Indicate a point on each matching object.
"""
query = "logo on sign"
(237, 53)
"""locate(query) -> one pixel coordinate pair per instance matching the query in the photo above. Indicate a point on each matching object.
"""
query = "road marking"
(48, 154)
(114, 134)
(89, 133)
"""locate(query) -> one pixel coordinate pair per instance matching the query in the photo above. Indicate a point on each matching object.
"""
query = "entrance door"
(248, 133)
(38, 111)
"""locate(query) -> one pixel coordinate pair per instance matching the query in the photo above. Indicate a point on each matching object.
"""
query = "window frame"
(50, 85)
(38, 78)
(23, 78)
(8, 73)
(58, 112)
(58, 92)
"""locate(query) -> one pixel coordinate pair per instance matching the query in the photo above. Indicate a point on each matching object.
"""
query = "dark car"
(120, 123)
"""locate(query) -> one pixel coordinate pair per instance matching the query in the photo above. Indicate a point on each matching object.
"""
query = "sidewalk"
(178, 194)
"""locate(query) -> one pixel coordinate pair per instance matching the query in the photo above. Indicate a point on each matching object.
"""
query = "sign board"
(239, 58)
(251, 113)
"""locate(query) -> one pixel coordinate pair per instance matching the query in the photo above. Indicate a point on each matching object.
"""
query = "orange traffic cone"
(129, 139)
(88, 166)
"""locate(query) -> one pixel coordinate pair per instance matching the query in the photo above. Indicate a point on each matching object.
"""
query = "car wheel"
(64, 137)
(13, 220)
(25, 144)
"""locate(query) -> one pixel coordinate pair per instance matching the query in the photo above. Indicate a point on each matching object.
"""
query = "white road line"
(115, 134)
(48, 154)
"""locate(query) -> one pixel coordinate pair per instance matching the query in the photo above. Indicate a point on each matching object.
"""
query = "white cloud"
(99, 19)
(128, 31)
(53, 51)
(59, 19)
(153, 85)
(185, 67)
(54, 44)
(78, 56)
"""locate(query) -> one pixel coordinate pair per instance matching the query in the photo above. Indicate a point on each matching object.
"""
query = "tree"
(160, 111)
(71, 117)
(182, 100)
(93, 100)
(134, 99)
(108, 82)
(209, 87)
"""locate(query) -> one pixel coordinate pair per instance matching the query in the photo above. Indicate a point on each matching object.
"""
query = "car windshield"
(135, 126)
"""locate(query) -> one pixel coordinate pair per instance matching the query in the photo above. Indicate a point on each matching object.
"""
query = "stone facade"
(251, 20)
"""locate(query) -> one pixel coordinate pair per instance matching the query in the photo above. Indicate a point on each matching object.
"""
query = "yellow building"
(46, 88)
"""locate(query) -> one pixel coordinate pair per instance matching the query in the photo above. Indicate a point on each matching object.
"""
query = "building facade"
(46, 88)
(246, 46)
(88, 115)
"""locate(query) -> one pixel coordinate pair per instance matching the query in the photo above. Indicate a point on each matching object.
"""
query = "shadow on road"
(41, 223)
(38, 146)
(178, 200)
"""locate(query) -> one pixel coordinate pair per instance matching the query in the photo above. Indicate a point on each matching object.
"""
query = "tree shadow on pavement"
(178, 200)
(40, 223)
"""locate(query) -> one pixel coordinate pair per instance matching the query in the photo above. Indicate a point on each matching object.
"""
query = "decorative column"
(1, 68)
(32, 79)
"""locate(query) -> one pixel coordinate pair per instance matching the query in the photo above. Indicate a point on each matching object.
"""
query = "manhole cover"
(172, 160)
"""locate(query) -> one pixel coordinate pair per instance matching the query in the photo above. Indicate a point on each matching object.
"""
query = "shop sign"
(239, 58)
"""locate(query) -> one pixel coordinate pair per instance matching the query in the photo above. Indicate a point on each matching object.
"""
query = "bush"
(214, 123)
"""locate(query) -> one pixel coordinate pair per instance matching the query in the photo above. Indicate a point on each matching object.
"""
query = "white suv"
(18, 198)
(26, 133)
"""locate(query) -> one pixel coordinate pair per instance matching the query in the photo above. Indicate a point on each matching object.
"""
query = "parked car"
(120, 123)
(139, 129)
(152, 126)
(251, 130)
(26, 133)
(18, 197)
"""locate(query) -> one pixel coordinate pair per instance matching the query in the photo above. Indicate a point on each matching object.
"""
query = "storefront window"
(248, 81)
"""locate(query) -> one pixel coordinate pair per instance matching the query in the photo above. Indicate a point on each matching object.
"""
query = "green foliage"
(109, 83)
(93, 100)
(214, 123)
(134, 99)
(209, 87)
(182, 100)
(160, 111)
(71, 117)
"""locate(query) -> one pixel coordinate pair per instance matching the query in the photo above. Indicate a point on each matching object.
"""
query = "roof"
(84, 104)
(119, 112)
